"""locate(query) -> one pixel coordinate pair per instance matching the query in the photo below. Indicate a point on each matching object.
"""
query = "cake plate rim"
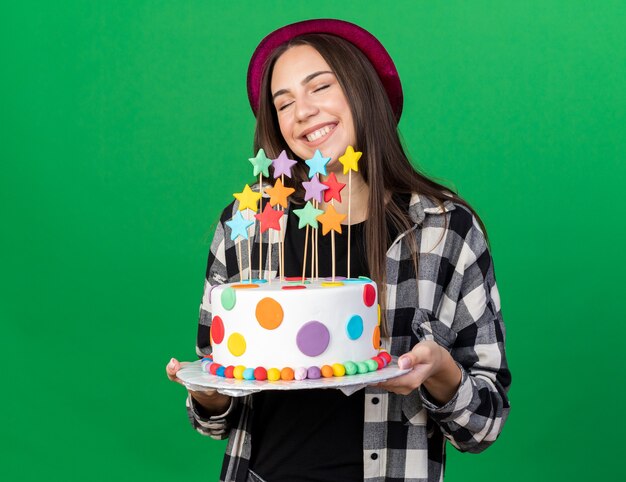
(193, 378)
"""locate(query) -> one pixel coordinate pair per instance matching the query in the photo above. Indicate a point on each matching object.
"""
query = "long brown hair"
(384, 165)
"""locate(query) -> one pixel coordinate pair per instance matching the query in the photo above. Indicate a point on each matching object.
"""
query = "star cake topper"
(269, 218)
(331, 220)
(317, 164)
(279, 193)
(248, 199)
(239, 226)
(334, 188)
(350, 160)
(282, 165)
(307, 216)
(313, 189)
(261, 163)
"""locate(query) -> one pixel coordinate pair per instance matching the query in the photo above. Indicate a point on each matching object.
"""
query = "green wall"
(125, 128)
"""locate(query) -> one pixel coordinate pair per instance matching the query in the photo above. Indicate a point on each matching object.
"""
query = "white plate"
(195, 379)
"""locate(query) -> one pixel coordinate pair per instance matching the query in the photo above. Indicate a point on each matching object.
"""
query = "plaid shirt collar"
(419, 206)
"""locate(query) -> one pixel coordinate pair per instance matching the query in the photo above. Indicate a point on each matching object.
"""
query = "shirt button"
(374, 456)
(375, 400)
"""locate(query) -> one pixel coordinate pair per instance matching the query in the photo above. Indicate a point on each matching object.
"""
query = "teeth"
(319, 133)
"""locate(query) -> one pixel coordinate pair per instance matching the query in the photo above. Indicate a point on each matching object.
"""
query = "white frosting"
(276, 348)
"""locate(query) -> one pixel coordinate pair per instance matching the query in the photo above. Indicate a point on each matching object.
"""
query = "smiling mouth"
(319, 133)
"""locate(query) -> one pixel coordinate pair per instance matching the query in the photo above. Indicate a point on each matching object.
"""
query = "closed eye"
(322, 88)
(284, 106)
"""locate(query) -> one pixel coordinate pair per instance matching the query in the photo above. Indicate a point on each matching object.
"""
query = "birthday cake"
(294, 330)
(286, 329)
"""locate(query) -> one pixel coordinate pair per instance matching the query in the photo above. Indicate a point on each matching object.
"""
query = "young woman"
(328, 84)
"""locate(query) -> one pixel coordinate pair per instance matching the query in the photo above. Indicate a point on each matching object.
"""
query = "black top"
(313, 435)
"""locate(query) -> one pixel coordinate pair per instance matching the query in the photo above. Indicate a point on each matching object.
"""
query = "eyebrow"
(305, 81)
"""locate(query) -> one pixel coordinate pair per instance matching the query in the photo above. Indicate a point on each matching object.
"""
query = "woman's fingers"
(207, 398)
(172, 368)
(421, 360)
(405, 384)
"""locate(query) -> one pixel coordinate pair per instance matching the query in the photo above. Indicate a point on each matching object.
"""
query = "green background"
(126, 127)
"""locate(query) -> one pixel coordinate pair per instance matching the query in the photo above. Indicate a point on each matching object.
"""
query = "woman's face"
(312, 109)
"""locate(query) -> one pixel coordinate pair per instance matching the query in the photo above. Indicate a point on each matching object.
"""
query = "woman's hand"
(212, 402)
(432, 366)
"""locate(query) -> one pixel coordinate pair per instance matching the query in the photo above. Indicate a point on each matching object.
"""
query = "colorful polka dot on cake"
(269, 313)
(228, 298)
(369, 295)
(313, 338)
(376, 338)
(217, 330)
(354, 327)
(236, 344)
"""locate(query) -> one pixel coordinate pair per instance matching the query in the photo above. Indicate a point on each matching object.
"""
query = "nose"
(305, 108)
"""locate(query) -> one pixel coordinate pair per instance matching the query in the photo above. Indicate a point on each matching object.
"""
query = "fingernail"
(404, 363)
(171, 364)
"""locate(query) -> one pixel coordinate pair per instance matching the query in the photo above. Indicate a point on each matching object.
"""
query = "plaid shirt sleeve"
(470, 307)
(216, 427)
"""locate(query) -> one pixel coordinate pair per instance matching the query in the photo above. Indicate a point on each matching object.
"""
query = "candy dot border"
(273, 374)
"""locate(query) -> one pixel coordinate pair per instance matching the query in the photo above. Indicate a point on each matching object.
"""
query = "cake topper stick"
(278, 196)
(312, 272)
(239, 229)
(239, 259)
(281, 241)
(269, 253)
(332, 248)
(281, 245)
(306, 244)
(249, 250)
(307, 217)
(282, 165)
(317, 248)
(317, 165)
(350, 162)
(331, 221)
(269, 219)
(248, 200)
(333, 192)
(261, 228)
(261, 165)
(349, 218)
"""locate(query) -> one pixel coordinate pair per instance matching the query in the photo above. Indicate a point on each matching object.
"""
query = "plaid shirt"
(455, 302)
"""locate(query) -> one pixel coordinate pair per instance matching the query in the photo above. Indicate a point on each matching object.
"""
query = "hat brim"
(361, 38)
